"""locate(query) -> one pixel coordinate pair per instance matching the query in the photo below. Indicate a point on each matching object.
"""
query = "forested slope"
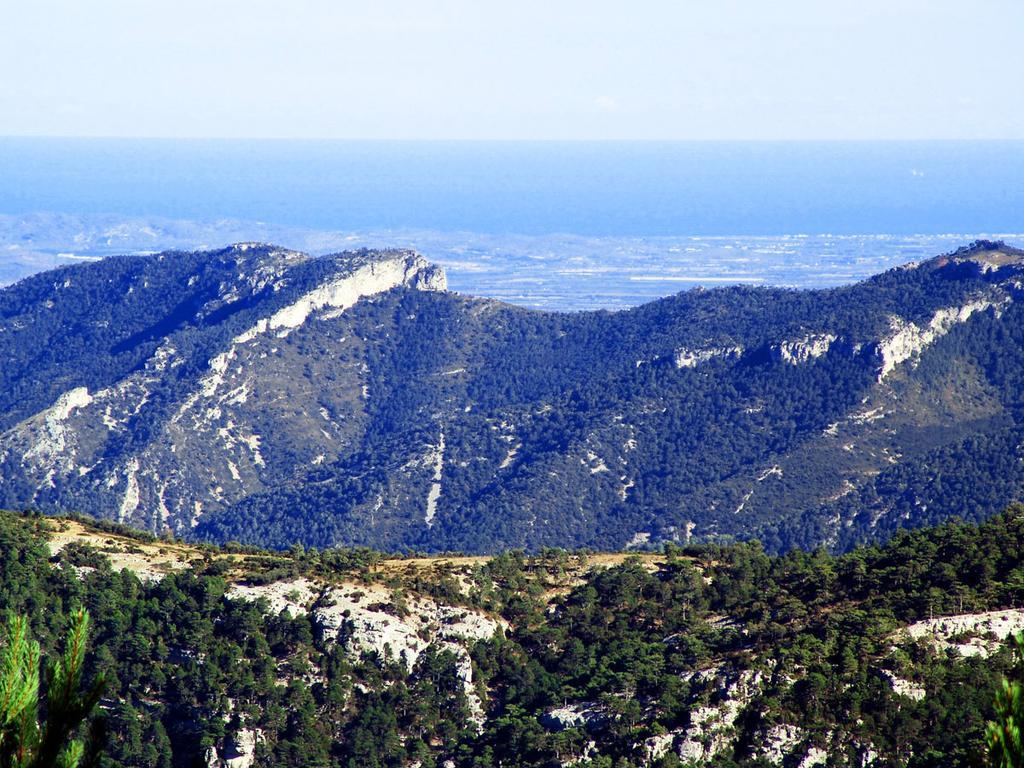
(707, 655)
(261, 395)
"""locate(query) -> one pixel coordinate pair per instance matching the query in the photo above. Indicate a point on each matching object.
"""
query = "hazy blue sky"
(554, 69)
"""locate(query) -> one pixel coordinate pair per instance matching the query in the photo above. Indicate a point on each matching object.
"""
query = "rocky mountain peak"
(989, 255)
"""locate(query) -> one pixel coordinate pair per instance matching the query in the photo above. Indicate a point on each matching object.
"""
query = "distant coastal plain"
(549, 225)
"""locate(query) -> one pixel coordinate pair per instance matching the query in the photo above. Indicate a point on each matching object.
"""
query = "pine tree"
(1004, 735)
(27, 741)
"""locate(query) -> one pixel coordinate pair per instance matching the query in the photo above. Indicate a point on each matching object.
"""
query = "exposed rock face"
(691, 358)
(903, 687)
(908, 339)
(239, 750)
(711, 728)
(341, 293)
(587, 715)
(786, 745)
(814, 756)
(802, 350)
(714, 730)
(51, 443)
(367, 619)
(656, 747)
(355, 615)
(354, 612)
(292, 597)
(780, 741)
(970, 634)
(436, 461)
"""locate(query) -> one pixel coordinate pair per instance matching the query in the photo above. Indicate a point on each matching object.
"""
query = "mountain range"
(258, 394)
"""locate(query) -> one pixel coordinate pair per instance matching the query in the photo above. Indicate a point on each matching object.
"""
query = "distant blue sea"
(594, 189)
(547, 225)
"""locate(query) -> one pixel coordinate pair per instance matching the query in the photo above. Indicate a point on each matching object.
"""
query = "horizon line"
(514, 140)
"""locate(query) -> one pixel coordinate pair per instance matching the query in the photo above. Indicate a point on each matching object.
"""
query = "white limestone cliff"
(691, 358)
(435, 460)
(239, 750)
(712, 726)
(50, 442)
(908, 339)
(969, 634)
(372, 619)
(797, 351)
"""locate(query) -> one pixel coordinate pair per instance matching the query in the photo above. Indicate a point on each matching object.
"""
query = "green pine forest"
(185, 667)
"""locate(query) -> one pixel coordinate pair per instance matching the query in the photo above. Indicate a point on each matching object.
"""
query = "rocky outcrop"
(373, 619)
(986, 256)
(588, 715)
(786, 745)
(50, 442)
(370, 619)
(712, 725)
(292, 597)
(712, 731)
(797, 351)
(908, 339)
(969, 634)
(691, 358)
(337, 295)
(436, 461)
(239, 750)
(721, 695)
(902, 687)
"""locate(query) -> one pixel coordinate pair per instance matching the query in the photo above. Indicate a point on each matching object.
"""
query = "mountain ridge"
(260, 394)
